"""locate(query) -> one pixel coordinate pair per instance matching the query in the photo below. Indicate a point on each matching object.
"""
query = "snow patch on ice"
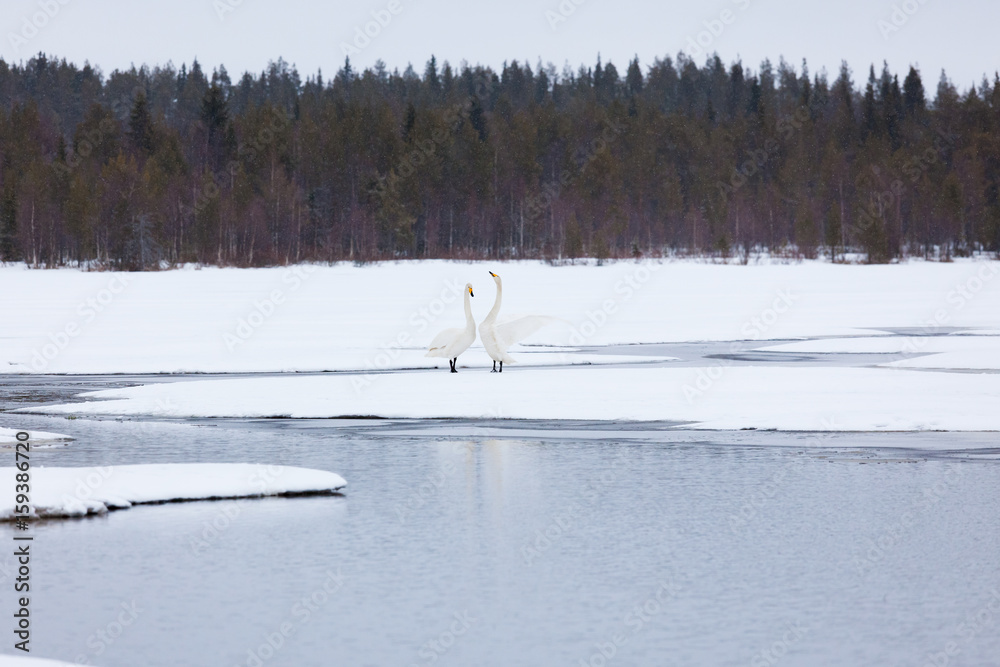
(69, 492)
(8, 436)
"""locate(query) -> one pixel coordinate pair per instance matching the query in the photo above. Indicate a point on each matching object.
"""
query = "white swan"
(452, 342)
(498, 337)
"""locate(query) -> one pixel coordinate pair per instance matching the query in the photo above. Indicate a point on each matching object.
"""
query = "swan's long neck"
(496, 304)
(470, 323)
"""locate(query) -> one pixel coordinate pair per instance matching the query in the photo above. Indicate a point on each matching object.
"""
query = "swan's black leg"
(453, 362)
(494, 366)
(501, 367)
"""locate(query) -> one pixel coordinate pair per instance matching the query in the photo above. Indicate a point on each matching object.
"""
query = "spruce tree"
(8, 225)
(913, 93)
(140, 126)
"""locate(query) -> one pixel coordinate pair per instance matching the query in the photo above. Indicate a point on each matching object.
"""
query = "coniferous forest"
(152, 167)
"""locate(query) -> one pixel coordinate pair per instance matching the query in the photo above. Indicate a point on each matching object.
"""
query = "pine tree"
(892, 113)
(913, 93)
(478, 119)
(871, 117)
(141, 127)
(431, 77)
(633, 78)
(409, 122)
(8, 225)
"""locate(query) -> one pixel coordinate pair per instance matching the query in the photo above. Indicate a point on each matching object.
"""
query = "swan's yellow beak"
(470, 292)
(493, 274)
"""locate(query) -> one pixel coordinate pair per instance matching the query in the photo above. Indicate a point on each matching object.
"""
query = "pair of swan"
(497, 337)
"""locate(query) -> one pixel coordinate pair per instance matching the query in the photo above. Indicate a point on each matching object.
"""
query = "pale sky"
(958, 35)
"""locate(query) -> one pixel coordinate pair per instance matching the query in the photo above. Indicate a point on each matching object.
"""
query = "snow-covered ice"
(958, 352)
(968, 359)
(8, 436)
(476, 358)
(380, 317)
(716, 397)
(311, 318)
(68, 492)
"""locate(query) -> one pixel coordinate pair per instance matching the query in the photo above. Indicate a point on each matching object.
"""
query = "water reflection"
(690, 547)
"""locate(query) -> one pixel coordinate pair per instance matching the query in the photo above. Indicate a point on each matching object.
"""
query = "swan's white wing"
(518, 328)
(442, 340)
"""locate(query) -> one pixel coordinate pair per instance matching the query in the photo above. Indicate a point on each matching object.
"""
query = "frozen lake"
(464, 542)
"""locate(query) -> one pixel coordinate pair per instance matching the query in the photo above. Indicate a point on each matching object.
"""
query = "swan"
(498, 337)
(452, 342)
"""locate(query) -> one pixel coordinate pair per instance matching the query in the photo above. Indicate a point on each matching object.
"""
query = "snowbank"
(8, 436)
(715, 397)
(309, 318)
(66, 492)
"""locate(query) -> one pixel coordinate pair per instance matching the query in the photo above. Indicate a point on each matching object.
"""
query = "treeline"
(152, 167)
